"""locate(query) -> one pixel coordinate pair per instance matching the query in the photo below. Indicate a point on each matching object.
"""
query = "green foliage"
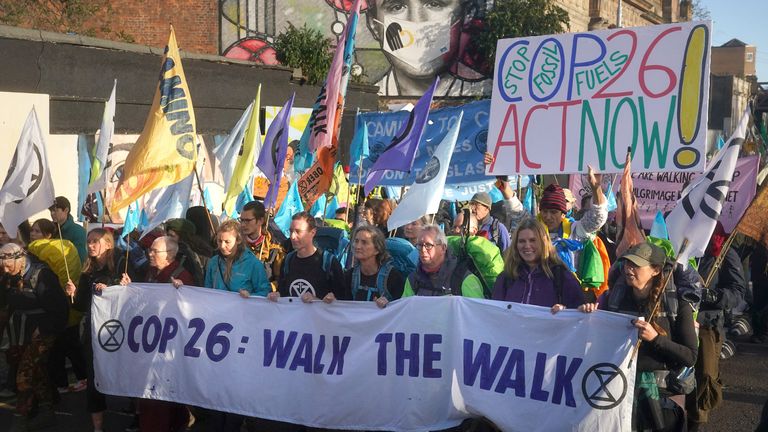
(84, 17)
(304, 48)
(521, 18)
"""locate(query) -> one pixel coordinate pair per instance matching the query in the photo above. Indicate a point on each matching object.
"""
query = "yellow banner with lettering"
(166, 151)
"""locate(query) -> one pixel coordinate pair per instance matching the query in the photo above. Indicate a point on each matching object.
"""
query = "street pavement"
(745, 376)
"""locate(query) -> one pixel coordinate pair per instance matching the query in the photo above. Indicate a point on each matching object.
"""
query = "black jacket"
(37, 302)
(729, 285)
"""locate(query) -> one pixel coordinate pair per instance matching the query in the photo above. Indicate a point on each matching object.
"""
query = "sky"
(744, 20)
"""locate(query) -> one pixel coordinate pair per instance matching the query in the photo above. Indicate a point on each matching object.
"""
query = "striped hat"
(553, 199)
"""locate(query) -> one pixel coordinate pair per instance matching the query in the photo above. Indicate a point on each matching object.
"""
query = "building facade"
(245, 30)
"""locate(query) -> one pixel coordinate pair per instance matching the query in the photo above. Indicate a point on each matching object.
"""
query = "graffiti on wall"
(401, 44)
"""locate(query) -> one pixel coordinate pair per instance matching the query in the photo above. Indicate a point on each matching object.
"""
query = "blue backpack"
(333, 240)
(380, 290)
(404, 255)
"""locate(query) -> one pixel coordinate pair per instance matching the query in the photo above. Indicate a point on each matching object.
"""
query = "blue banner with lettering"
(466, 174)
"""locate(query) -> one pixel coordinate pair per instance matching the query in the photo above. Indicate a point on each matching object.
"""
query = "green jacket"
(76, 234)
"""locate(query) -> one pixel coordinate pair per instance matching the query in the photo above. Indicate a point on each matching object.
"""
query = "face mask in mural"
(416, 43)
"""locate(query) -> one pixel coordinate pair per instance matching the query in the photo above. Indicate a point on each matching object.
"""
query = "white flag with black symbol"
(28, 187)
(696, 213)
(424, 195)
(101, 165)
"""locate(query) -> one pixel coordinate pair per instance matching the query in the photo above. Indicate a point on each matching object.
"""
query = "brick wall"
(578, 12)
(733, 61)
(147, 21)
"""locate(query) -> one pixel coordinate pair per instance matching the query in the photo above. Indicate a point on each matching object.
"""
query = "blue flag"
(528, 201)
(317, 208)
(143, 220)
(291, 205)
(659, 227)
(330, 210)
(720, 142)
(272, 155)
(131, 219)
(611, 197)
(207, 200)
(245, 196)
(359, 148)
(83, 175)
(399, 154)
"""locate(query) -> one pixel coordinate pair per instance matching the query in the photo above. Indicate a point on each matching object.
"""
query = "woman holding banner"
(233, 268)
(103, 267)
(534, 274)
(668, 346)
(373, 278)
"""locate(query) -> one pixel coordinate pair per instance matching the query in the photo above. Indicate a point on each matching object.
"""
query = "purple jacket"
(536, 288)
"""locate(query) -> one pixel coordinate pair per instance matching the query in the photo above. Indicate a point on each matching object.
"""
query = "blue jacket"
(247, 274)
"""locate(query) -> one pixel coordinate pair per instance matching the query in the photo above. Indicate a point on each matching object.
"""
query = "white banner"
(422, 363)
(563, 102)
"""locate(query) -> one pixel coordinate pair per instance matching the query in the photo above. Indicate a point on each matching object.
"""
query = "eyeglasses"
(427, 246)
(156, 251)
(246, 220)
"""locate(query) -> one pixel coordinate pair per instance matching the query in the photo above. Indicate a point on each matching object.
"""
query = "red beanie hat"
(553, 199)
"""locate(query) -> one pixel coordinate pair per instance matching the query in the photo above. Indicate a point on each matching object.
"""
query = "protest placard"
(563, 102)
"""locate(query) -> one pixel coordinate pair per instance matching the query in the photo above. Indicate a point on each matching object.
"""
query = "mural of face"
(418, 37)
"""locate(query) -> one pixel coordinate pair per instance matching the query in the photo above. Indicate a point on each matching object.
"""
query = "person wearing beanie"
(488, 226)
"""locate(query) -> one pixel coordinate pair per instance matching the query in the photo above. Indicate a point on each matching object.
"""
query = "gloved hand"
(710, 296)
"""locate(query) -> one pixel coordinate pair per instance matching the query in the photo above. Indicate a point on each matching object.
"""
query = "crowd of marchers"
(50, 272)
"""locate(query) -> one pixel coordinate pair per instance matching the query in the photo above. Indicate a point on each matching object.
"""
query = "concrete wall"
(78, 72)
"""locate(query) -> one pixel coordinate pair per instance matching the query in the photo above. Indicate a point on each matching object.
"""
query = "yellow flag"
(245, 164)
(340, 186)
(166, 151)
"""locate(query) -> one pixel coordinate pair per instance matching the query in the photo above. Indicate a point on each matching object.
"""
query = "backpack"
(402, 253)
(326, 266)
(381, 282)
(189, 261)
(480, 256)
(333, 240)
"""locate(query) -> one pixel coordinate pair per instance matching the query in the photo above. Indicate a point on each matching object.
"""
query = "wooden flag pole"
(127, 250)
(723, 251)
(658, 300)
(205, 205)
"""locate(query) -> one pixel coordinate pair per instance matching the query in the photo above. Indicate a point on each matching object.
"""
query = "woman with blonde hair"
(534, 274)
(234, 268)
(104, 267)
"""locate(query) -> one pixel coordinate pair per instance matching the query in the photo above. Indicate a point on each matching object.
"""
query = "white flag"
(424, 195)
(28, 187)
(169, 202)
(100, 166)
(696, 213)
(226, 152)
